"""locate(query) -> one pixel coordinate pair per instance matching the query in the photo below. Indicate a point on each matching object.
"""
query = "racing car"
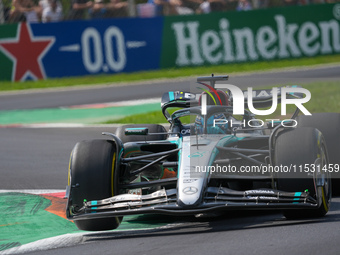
(208, 160)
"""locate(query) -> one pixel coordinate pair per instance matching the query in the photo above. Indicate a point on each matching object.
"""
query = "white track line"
(116, 104)
(32, 191)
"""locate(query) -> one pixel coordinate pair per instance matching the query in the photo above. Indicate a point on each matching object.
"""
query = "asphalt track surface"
(38, 159)
(112, 93)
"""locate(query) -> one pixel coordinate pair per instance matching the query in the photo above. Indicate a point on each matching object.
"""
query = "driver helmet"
(222, 98)
(211, 101)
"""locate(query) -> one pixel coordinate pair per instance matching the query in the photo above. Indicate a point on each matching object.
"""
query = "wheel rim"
(322, 178)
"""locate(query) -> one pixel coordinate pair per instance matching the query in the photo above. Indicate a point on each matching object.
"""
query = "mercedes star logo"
(190, 190)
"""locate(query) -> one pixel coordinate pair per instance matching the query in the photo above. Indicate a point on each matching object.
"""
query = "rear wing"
(264, 97)
(261, 98)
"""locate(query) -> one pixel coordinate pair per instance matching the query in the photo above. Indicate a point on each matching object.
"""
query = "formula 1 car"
(209, 160)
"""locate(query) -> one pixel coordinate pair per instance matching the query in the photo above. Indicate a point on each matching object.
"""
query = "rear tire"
(92, 177)
(299, 147)
(329, 125)
(153, 128)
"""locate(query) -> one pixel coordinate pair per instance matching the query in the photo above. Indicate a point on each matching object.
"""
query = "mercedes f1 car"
(207, 161)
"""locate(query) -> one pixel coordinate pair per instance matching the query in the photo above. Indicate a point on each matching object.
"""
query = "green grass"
(155, 117)
(167, 73)
(325, 98)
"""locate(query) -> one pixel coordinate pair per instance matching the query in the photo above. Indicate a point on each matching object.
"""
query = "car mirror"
(136, 131)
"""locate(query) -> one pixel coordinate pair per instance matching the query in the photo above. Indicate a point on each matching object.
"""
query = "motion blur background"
(57, 38)
(143, 8)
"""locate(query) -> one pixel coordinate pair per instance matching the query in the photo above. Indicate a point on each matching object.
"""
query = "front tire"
(329, 125)
(91, 174)
(296, 148)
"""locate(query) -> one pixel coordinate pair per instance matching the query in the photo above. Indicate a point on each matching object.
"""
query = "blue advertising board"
(73, 48)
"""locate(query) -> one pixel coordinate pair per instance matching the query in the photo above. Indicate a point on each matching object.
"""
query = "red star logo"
(27, 52)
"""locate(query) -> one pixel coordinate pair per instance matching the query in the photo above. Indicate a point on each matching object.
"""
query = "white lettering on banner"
(307, 36)
(92, 50)
(118, 63)
(284, 40)
(336, 11)
(209, 48)
(226, 38)
(91, 35)
(241, 36)
(329, 30)
(265, 39)
(190, 42)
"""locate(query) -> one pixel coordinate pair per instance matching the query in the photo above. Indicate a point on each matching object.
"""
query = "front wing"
(215, 199)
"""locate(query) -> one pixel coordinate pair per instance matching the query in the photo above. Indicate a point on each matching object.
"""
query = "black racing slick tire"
(329, 125)
(153, 128)
(304, 147)
(92, 168)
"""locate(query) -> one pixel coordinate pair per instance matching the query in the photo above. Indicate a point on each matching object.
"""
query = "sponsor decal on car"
(190, 190)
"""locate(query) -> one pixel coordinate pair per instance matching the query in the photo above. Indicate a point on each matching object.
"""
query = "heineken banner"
(73, 48)
(231, 37)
